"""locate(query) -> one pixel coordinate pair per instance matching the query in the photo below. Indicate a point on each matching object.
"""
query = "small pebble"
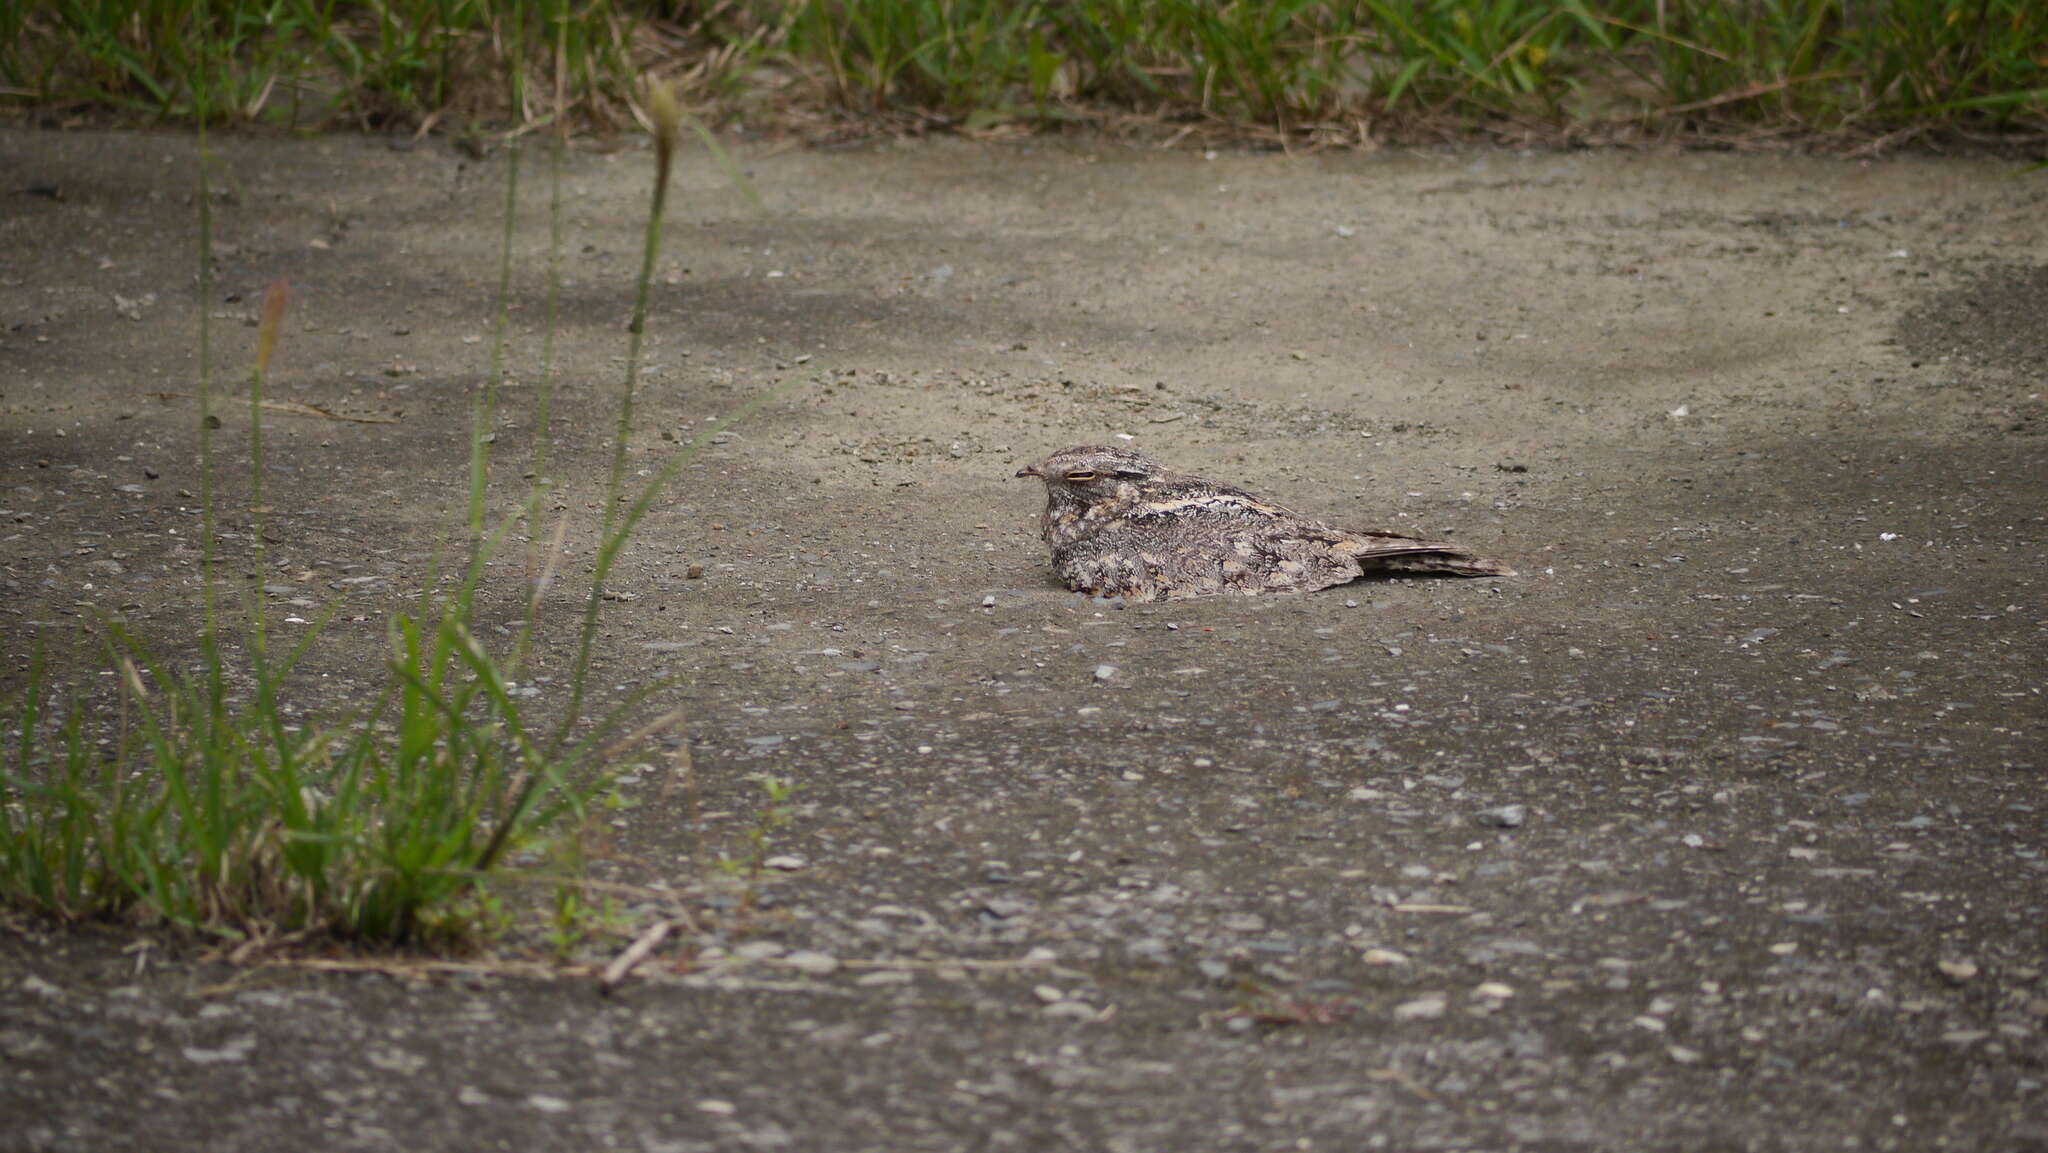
(1957, 970)
(237, 1049)
(1503, 817)
(812, 962)
(1421, 1008)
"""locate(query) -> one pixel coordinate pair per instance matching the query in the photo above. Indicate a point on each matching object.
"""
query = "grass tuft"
(212, 812)
(205, 803)
(299, 63)
(1819, 64)
(1291, 66)
(1317, 67)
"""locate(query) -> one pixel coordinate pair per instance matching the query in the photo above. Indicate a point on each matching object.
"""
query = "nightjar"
(1120, 524)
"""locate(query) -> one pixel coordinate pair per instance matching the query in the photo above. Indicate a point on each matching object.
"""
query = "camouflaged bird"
(1122, 525)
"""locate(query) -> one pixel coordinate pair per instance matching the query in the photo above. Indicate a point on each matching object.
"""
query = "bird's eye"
(1081, 474)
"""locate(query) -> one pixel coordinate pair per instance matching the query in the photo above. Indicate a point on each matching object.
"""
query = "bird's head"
(1084, 485)
(1092, 474)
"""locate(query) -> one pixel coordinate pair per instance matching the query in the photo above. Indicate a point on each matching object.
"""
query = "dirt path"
(1763, 435)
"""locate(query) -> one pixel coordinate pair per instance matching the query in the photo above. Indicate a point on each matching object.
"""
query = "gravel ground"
(1721, 827)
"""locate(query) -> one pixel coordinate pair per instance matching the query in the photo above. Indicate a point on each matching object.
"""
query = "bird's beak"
(1029, 470)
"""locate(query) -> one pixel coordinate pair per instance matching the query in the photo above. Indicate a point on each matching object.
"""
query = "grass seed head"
(667, 116)
(273, 320)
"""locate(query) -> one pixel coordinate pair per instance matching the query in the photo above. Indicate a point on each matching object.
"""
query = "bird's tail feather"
(1399, 554)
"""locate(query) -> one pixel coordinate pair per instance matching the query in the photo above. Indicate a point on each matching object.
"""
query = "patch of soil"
(1994, 318)
(1721, 827)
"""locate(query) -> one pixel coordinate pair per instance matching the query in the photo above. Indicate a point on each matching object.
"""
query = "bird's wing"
(1190, 500)
(1250, 526)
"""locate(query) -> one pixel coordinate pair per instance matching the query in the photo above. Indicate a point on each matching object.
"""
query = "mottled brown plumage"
(1122, 525)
